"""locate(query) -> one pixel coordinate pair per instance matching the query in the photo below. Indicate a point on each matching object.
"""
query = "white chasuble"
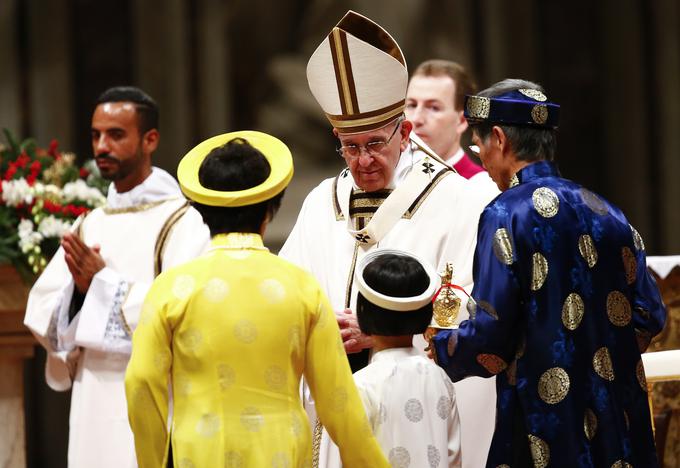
(141, 233)
(439, 225)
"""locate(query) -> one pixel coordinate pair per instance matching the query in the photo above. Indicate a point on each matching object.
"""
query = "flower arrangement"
(42, 192)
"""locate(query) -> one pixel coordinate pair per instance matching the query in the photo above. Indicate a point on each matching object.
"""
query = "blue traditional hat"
(523, 106)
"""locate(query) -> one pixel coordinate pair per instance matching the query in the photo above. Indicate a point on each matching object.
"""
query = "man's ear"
(150, 141)
(462, 124)
(499, 139)
(335, 132)
(405, 131)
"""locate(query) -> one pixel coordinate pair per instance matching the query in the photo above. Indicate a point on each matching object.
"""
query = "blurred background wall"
(221, 65)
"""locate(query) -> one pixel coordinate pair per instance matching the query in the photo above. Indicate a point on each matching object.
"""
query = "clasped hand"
(350, 332)
(83, 262)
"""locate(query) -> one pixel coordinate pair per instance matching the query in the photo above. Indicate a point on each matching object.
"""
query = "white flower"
(53, 227)
(15, 192)
(79, 190)
(28, 238)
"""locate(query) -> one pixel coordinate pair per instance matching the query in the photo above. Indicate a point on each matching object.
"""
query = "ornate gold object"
(533, 94)
(539, 113)
(447, 305)
(478, 107)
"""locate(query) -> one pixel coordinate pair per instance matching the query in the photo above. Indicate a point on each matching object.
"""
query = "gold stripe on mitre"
(366, 121)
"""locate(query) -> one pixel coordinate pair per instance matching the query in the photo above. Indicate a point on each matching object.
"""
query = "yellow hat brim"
(277, 153)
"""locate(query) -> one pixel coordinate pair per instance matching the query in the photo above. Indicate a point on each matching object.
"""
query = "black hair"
(529, 143)
(236, 165)
(395, 276)
(147, 109)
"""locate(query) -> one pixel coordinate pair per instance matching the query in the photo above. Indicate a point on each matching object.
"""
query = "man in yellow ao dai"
(234, 331)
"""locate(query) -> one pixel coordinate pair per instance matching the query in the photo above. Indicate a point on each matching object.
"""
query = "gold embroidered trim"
(316, 443)
(426, 193)
(350, 279)
(135, 208)
(335, 202)
(163, 237)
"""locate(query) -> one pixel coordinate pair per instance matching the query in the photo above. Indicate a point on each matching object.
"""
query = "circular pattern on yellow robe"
(280, 460)
(275, 377)
(640, 374)
(546, 202)
(539, 271)
(191, 338)
(252, 419)
(586, 248)
(502, 246)
(492, 363)
(602, 363)
(185, 463)
(233, 459)
(618, 309)
(553, 385)
(181, 385)
(226, 376)
(629, 265)
(589, 424)
(208, 425)
(183, 286)
(573, 310)
(245, 331)
(215, 290)
(540, 452)
(272, 290)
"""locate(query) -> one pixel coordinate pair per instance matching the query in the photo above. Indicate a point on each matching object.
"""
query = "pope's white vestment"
(438, 224)
(141, 233)
(411, 405)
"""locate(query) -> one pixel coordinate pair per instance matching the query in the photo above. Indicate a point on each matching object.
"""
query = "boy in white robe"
(410, 402)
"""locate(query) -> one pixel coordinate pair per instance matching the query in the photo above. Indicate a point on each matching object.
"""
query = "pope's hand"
(83, 262)
(352, 337)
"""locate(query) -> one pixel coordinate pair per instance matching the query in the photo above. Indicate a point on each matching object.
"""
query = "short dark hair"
(147, 109)
(395, 276)
(528, 143)
(236, 165)
(464, 84)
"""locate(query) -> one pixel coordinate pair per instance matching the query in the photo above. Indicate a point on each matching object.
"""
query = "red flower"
(35, 167)
(11, 170)
(52, 207)
(23, 160)
(30, 178)
(52, 151)
(84, 173)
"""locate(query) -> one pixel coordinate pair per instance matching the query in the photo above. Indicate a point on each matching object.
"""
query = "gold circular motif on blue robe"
(618, 309)
(539, 271)
(511, 372)
(492, 363)
(602, 363)
(502, 246)
(589, 424)
(572, 311)
(629, 265)
(546, 202)
(478, 107)
(533, 94)
(640, 374)
(540, 452)
(637, 239)
(553, 385)
(252, 419)
(594, 202)
(621, 464)
(488, 308)
(514, 181)
(586, 247)
(643, 338)
(539, 114)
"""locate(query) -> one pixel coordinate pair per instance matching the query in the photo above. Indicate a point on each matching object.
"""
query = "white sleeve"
(47, 316)
(453, 429)
(112, 305)
(296, 247)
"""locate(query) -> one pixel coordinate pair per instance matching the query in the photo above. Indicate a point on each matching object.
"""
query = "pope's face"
(430, 106)
(121, 153)
(375, 172)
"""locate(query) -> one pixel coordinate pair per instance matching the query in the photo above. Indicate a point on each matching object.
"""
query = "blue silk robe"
(564, 306)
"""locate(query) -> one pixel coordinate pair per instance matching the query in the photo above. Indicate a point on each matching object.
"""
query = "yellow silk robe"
(232, 333)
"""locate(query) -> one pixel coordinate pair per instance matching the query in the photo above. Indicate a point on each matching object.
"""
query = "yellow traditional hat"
(277, 153)
(358, 75)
